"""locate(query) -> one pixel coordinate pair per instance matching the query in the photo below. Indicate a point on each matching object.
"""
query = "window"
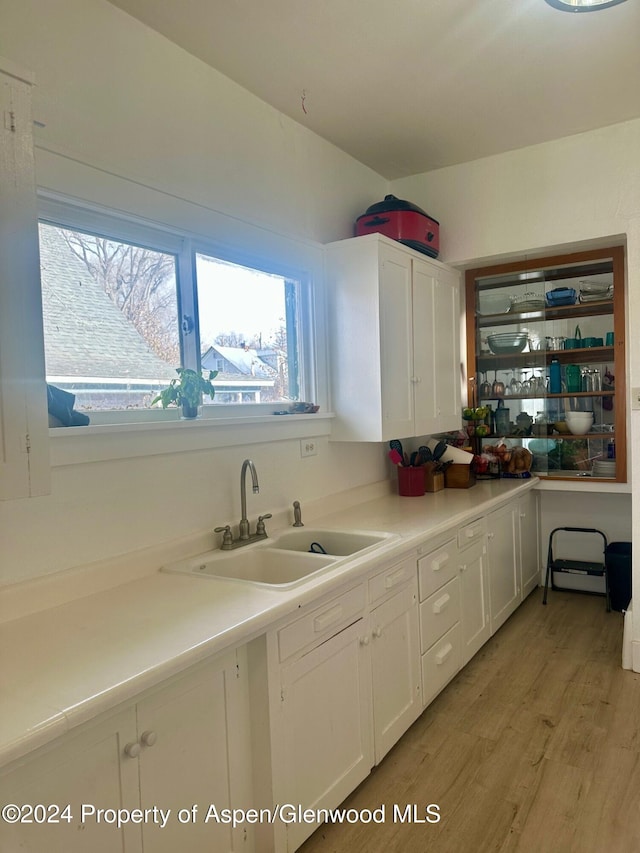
(119, 318)
(110, 318)
(248, 331)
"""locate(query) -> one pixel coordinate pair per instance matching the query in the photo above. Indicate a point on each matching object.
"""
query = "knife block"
(433, 480)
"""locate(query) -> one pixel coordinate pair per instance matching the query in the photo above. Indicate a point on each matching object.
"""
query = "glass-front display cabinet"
(546, 357)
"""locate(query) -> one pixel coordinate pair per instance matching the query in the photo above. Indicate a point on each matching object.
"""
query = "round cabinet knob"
(364, 641)
(132, 750)
(491, 535)
(149, 738)
(377, 632)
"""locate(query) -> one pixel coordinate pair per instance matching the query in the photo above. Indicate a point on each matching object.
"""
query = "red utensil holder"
(411, 481)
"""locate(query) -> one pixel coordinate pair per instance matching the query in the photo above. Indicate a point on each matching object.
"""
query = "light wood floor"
(534, 747)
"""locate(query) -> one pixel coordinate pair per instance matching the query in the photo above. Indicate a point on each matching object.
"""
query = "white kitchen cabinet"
(395, 664)
(394, 343)
(89, 767)
(323, 745)
(24, 460)
(528, 543)
(343, 686)
(195, 738)
(474, 588)
(440, 636)
(184, 743)
(503, 560)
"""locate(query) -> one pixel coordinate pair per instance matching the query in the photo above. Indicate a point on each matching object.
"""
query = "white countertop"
(67, 664)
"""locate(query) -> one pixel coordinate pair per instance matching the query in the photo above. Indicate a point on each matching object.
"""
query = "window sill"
(104, 442)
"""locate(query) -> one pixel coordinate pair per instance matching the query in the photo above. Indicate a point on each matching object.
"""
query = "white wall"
(559, 195)
(135, 123)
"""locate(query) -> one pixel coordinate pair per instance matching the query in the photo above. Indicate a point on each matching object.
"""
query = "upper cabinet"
(546, 353)
(394, 319)
(24, 463)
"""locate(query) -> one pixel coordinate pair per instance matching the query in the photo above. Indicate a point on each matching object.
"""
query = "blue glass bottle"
(555, 377)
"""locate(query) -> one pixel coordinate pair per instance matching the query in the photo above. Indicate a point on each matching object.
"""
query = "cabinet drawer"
(441, 663)
(437, 568)
(391, 579)
(439, 613)
(321, 623)
(471, 533)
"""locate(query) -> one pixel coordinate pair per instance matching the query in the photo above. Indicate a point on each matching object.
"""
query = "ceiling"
(406, 86)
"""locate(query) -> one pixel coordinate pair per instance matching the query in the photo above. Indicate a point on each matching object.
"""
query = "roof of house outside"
(85, 333)
(245, 360)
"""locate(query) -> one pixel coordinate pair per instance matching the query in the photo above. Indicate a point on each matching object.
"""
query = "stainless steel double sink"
(288, 560)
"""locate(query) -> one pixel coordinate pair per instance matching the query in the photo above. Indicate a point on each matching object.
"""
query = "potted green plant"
(186, 391)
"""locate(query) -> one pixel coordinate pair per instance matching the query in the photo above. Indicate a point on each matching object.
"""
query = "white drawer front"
(437, 568)
(471, 533)
(387, 582)
(321, 622)
(441, 663)
(439, 613)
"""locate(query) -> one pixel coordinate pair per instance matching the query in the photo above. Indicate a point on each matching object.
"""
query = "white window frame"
(122, 434)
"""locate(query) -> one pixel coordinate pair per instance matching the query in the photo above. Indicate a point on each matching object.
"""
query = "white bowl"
(579, 422)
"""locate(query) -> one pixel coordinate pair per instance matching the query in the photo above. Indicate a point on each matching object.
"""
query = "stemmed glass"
(515, 385)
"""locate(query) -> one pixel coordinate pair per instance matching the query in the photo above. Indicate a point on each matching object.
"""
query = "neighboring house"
(243, 372)
(91, 349)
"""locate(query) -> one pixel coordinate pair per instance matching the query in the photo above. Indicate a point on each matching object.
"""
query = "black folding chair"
(576, 567)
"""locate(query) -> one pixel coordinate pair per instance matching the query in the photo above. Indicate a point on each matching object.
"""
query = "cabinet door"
(90, 768)
(324, 727)
(24, 461)
(396, 341)
(185, 730)
(528, 543)
(474, 597)
(436, 341)
(503, 558)
(395, 667)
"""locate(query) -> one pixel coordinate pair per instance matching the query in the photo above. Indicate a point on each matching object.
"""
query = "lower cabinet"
(474, 596)
(529, 542)
(396, 683)
(440, 634)
(503, 558)
(341, 697)
(182, 746)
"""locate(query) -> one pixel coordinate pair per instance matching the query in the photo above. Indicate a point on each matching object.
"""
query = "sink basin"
(259, 565)
(340, 543)
(284, 561)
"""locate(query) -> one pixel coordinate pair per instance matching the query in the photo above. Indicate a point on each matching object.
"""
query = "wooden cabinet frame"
(613, 354)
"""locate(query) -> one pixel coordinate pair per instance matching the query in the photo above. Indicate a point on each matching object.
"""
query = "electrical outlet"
(635, 398)
(308, 447)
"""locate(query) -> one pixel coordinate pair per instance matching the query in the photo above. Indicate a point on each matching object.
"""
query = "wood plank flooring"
(534, 747)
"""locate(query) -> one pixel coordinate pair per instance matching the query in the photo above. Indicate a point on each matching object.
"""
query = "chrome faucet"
(245, 537)
(243, 530)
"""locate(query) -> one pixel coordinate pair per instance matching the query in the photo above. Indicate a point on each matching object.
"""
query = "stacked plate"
(527, 302)
(604, 468)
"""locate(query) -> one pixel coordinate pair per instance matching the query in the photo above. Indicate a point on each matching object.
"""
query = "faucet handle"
(260, 528)
(227, 538)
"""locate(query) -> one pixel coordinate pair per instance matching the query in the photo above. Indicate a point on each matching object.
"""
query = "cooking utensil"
(395, 457)
(395, 444)
(413, 461)
(425, 454)
(439, 450)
